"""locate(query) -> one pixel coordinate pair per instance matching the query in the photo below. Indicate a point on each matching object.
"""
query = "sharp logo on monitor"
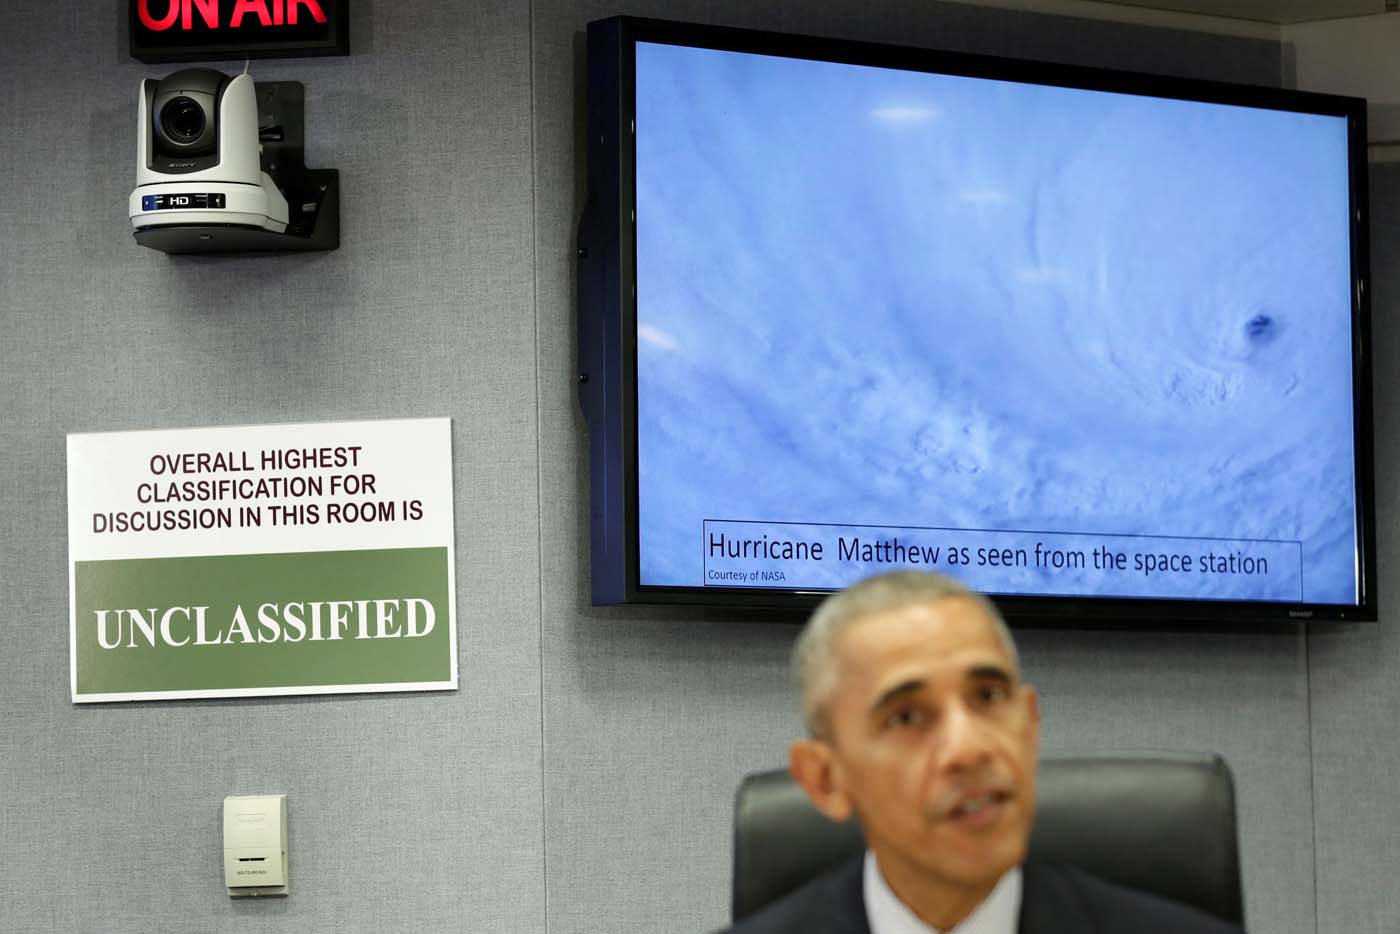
(201, 30)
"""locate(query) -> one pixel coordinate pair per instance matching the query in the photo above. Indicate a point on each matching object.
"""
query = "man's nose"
(964, 742)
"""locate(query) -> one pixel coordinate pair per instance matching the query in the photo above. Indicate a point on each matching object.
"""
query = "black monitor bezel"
(607, 309)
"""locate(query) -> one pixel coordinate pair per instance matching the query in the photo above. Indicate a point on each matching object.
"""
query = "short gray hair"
(813, 655)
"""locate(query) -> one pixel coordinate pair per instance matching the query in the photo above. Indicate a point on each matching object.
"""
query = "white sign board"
(262, 559)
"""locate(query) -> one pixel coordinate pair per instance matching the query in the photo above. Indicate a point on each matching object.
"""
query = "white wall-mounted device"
(221, 168)
(255, 844)
(198, 155)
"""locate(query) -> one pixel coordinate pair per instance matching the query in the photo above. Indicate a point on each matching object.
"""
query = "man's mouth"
(979, 808)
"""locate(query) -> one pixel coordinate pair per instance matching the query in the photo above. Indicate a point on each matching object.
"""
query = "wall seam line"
(539, 453)
(1312, 767)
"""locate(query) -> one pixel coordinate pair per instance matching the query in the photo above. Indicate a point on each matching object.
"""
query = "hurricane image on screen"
(1048, 340)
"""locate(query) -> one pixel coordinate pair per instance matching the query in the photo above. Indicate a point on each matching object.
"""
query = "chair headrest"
(1159, 822)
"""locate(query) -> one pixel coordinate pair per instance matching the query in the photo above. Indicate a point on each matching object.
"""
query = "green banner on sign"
(364, 620)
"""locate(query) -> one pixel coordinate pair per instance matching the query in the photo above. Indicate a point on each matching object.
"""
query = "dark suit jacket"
(1054, 900)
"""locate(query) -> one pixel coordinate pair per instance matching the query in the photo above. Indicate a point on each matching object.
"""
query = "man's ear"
(813, 766)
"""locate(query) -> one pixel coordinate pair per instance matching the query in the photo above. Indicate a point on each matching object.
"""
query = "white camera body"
(198, 159)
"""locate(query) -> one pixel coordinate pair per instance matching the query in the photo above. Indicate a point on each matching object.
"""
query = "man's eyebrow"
(899, 690)
(991, 673)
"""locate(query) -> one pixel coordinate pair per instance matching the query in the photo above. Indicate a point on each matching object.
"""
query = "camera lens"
(182, 120)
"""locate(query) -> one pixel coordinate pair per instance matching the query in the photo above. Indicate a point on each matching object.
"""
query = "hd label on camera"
(182, 202)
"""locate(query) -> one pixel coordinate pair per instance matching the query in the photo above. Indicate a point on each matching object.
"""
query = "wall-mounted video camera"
(220, 168)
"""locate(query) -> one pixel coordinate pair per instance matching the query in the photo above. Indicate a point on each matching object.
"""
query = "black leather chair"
(1159, 822)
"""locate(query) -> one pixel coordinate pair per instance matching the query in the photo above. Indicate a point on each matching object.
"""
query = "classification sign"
(257, 560)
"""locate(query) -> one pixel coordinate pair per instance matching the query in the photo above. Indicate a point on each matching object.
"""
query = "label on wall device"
(261, 560)
(206, 30)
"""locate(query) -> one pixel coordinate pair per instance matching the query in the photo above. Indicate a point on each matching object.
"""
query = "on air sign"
(205, 30)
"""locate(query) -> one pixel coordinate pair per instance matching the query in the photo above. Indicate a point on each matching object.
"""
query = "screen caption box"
(824, 556)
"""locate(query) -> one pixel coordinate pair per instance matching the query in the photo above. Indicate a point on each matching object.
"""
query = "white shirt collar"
(998, 913)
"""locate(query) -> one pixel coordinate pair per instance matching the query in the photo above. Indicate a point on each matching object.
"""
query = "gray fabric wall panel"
(1355, 691)
(652, 716)
(111, 815)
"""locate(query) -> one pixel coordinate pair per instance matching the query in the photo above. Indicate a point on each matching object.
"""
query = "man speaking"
(919, 724)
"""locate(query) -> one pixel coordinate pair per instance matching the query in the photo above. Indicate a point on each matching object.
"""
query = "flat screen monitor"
(1095, 343)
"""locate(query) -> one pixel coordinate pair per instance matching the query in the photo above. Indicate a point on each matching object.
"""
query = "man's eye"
(906, 717)
(992, 693)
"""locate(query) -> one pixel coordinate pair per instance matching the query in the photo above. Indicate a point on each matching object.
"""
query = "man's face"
(932, 742)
